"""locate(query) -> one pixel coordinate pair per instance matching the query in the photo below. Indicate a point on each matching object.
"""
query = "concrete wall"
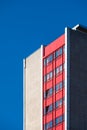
(77, 87)
(32, 92)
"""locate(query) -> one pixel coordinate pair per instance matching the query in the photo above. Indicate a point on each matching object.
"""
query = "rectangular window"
(57, 70)
(57, 53)
(60, 85)
(50, 75)
(57, 87)
(57, 121)
(49, 59)
(60, 51)
(60, 102)
(57, 104)
(49, 125)
(48, 92)
(48, 109)
(60, 119)
(60, 67)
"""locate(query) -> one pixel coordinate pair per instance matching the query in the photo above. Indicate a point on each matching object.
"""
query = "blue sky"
(24, 26)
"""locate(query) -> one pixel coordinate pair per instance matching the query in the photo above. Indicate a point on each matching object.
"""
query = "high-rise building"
(55, 84)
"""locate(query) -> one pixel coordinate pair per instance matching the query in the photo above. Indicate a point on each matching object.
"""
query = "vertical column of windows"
(57, 87)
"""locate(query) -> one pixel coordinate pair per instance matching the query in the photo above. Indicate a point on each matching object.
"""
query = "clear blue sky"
(24, 26)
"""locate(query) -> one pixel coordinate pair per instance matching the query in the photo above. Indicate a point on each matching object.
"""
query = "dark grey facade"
(77, 78)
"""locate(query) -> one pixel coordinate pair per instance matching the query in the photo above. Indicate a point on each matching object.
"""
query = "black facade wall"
(78, 80)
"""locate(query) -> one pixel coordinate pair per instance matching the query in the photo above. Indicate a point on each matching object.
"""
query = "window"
(57, 53)
(60, 67)
(48, 92)
(48, 109)
(57, 87)
(57, 104)
(57, 70)
(49, 59)
(57, 121)
(60, 85)
(60, 119)
(50, 75)
(60, 102)
(60, 51)
(49, 125)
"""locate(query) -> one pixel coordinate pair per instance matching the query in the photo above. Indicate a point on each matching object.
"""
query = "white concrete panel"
(32, 89)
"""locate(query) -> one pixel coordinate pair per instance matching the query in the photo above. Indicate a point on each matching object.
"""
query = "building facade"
(55, 86)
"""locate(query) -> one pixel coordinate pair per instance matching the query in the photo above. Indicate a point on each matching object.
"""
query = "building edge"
(42, 86)
(67, 79)
(24, 110)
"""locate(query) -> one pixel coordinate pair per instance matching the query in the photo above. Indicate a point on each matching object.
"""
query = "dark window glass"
(47, 93)
(57, 70)
(57, 53)
(47, 77)
(60, 51)
(60, 102)
(49, 59)
(50, 75)
(60, 85)
(48, 109)
(49, 125)
(57, 121)
(60, 119)
(57, 104)
(57, 87)
(50, 91)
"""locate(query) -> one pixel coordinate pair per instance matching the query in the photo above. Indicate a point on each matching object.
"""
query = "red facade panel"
(54, 45)
(53, 85)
